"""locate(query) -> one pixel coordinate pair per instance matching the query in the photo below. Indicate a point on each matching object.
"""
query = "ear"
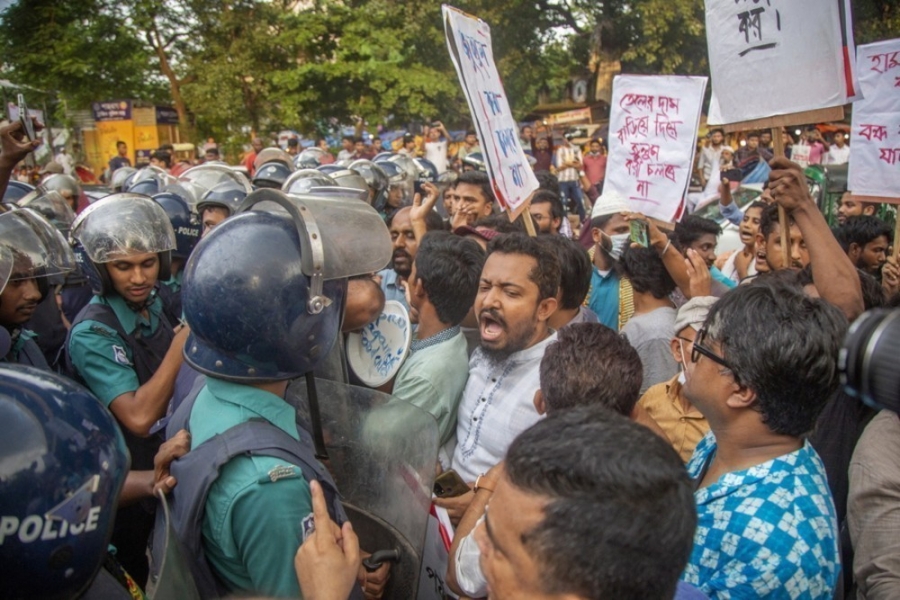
(417, 289)
(869, 210)
(760, 241)
(539, 405)
(596, 235)
(675, 346)
(556, 223)
(854, 251)
(546, 308)
(741, 397)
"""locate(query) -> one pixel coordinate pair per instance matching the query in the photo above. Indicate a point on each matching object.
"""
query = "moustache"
(401, 253)
(493, 314)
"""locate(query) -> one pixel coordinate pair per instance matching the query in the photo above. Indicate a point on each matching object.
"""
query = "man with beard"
(769, 240)
(403, 238)
(866, 241)
(516, 297)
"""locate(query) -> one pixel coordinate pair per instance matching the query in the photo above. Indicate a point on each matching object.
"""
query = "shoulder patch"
(120, 356)
(280, 472)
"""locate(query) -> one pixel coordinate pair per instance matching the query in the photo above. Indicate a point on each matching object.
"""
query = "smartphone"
(27, 123)
(640, 233)
(450, 485)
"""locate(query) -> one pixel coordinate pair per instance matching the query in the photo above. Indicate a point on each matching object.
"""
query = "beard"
(517, 338)
(406, 262)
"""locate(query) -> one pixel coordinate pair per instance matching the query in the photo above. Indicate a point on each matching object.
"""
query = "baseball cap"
(609, 203)
(693, 313)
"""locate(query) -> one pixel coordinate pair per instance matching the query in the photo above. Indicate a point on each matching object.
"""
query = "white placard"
(777, 57)
(875, 136)
(469, 42)
(652, 135)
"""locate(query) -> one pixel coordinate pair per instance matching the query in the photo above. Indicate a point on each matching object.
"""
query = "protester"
(649, 330)
(516, 296)
(763, 366)
(850, 207)
(665, 402)
(348, 146)
(611, 235)
(474, 197)
(547, 211)
(405, 244)
(436, 147)
(441, 288)
(594, 165)
(256, 146)
(574, 283)
(568, 161)
(742, 263)
(696, 233)
(542, 150)
(838, 153)
(866, 241)
(710, 156)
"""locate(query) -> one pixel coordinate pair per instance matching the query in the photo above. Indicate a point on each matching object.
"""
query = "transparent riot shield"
(170, 573)
(382, 454)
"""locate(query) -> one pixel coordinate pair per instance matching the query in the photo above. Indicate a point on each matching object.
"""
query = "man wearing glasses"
(762, 368)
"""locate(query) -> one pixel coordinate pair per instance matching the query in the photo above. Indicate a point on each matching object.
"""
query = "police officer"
(64, 464)
(258, 510)
(186, 226)
(35, 252)
(121, 345)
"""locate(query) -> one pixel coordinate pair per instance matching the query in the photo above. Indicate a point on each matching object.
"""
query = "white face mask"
(683, 376)
(619, 241)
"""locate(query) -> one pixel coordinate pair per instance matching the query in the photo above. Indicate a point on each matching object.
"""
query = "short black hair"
(590, 364)
(547, 181)
(120, 143)
(769, 219)
(862, 230)
(691, 228)
(479, 179)
(574, 270)
(873, 293)
(293, 142)
(646, 271)
(449, 267)
(716, 129)
(349, 138)
(783, 345)
(753, 134)
(433, 221)
(163, 157)
(545, 273)
(471, 132)
(548, 197)
(212, 150)
(501, 224)
(620, 515)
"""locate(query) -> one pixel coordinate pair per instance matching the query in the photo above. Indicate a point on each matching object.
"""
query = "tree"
(82, 50)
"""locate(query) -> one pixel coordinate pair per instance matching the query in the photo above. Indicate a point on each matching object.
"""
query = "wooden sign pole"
(835, 113)
(525, 215)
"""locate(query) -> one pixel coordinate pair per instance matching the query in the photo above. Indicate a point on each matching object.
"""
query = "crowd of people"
(618, 418)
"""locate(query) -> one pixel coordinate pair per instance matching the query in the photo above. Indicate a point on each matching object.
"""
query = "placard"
(652, 136)
(875, 135)
(777, 57)
(469, 42)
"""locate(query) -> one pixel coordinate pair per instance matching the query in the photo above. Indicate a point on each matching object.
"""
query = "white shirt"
(497, 405)
(566, 154)
(65, 161)
(837, 156)
(436, 152)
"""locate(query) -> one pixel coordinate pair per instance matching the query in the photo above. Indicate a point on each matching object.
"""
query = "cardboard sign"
(777, 57)
(652, 136)
(469, 42)
(875, 136)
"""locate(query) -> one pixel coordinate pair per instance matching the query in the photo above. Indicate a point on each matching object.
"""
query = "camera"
(868, 360)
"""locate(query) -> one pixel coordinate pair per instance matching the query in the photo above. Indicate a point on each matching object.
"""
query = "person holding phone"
(436, 143)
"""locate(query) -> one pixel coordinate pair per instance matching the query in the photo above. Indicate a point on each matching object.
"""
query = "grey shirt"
(650, 334)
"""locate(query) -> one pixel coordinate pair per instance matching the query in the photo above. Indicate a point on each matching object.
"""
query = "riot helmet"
(39, 251)
(268, 155)
(329, 169)
(51, 205)
(382, 156)
(227, 195)
(310, 158)
(121, 178)
(66, 185)
(63, 462)
(184, 222)
(207, 176)
(271, 175)
(352, 183)
(15, 190)
(149, 181)
(397, 192)
(475, 162)
(305, 181)
(281, 263)
(375, 179)
(116, 227)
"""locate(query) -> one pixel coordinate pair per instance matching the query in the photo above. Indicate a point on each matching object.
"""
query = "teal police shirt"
(101, 357)
(253, 522)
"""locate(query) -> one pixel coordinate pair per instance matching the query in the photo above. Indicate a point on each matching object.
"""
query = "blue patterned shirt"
(769, 530)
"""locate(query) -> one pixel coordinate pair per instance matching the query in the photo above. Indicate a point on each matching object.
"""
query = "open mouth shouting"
(491, 326)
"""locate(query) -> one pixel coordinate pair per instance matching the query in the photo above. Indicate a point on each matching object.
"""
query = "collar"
(533, 353)
(19, 336)
(434, 340)
(263, 404)
(127, 316)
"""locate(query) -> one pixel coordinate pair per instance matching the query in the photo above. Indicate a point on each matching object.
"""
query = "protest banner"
(469, 42)
(795, 59)
(787, 56)
(874, 169)
(652, 137)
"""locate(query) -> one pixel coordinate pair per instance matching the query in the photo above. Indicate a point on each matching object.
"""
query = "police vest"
(30, 354)
(197, 470)
(133, 523)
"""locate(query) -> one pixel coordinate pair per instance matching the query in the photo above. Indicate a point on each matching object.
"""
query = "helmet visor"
(121, 225)
(37, 248)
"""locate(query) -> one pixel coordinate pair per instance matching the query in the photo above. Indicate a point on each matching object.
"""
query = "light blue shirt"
(603, 297)
(391, 286)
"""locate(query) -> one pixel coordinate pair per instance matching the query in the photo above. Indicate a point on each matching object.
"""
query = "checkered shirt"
(770, 530)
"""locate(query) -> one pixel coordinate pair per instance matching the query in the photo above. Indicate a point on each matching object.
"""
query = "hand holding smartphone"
(27, 123)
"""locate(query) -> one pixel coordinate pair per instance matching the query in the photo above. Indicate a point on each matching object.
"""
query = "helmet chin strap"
(141, 306)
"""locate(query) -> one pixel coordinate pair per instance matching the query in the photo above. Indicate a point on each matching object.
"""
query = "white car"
(743, 196)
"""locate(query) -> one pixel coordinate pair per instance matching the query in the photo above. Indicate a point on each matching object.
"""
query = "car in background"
(743, 196)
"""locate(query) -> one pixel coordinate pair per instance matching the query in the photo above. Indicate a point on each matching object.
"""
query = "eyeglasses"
(699, 349)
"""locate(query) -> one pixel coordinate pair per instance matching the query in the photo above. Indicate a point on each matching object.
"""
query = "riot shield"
(382, 454)
(170, 573)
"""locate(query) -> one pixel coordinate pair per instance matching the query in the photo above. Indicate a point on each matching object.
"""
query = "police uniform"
(110, 365)
(255, 511)
(25, 350)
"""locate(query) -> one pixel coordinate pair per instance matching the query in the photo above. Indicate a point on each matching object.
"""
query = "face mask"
(682, 376)
(619, 241)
